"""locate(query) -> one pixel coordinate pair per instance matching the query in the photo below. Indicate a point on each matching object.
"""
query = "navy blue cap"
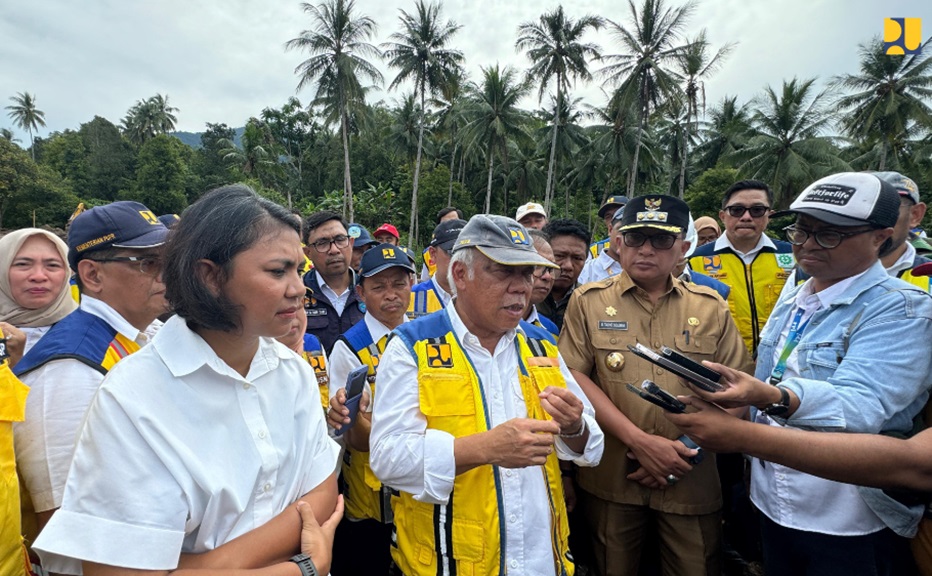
(360, 235)
(446, 233)
(383, 257)
(612, 201)
(122, 224)
(169, 220)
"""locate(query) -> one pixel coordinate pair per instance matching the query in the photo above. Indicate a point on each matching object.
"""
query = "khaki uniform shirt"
(603, 318)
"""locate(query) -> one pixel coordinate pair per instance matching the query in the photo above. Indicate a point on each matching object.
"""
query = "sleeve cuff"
(104, 541)
(439, 467)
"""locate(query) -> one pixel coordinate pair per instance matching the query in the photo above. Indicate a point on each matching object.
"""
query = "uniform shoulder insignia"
(597, 285)
(700, 289)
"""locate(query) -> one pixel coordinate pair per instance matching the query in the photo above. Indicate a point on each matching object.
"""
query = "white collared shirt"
(409, 457)
(60, 392)
(337, 300)
(795, 499)
(343, 360)
(600, 268)
(904, 262)
(747, 257)
(445, 296)
(180, 454)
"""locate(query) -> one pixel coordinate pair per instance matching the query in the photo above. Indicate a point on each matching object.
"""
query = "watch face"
(776, 410)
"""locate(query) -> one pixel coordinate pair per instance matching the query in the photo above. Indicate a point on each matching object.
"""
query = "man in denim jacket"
(841, 352)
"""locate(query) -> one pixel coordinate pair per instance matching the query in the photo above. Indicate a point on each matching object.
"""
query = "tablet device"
(355, 382)
(680, 370)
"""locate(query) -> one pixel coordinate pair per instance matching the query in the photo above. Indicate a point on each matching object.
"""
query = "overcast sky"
(224, 60)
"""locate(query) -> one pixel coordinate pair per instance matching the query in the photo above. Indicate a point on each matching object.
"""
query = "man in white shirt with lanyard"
(479, 411)
(835, 355)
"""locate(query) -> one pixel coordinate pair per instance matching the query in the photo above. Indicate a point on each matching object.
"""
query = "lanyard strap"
(792, 340)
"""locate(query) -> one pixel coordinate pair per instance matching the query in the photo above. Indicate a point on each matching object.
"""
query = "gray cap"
(501, 240)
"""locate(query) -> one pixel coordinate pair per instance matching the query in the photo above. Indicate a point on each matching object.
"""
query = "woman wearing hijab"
(34, 292)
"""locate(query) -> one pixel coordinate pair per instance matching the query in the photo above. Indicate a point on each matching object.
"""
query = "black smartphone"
(354, 385)
(691, 364)
(658, 397)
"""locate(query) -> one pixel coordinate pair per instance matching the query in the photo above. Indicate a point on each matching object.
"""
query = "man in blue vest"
(115, 252)
(435, 293)
(331, 304)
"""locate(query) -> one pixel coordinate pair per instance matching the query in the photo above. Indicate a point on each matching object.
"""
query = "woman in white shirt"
(196, 446)
(34, 292)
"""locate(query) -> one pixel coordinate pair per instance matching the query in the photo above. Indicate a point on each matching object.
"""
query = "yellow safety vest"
(755, 288)
(364, 495)
(467, 534)
(924, 282)
(13, 557)
(424, 300)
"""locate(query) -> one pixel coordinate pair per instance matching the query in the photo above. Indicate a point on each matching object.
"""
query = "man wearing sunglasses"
(753, 265)
(115, 253)
(847, 351)
(645, 488)
(331, 303)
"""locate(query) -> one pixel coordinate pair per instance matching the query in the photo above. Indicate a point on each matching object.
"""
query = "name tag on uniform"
(611, 325)
(316, 312)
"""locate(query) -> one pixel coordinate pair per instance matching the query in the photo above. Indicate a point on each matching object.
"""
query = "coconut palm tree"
(338, 45)
(695, 65)
(788, 149)
(420, 54)
(495, 118)
(450, 117)
(643, 72)
(727, 130)
(890, 94)
(8, 135)
(554, 46)
(149, 118)
(26, 116)
(572, 137)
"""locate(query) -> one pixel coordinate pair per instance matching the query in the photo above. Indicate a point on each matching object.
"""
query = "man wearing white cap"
(481, 409)
(835, 355)
(531, 215)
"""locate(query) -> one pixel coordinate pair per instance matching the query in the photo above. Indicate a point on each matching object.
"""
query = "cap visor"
(150, 239)
(823, 216)
(515, 257)
(636, 225)
(383, 267)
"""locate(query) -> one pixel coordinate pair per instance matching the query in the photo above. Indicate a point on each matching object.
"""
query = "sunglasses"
(737, 210)
(658, 241)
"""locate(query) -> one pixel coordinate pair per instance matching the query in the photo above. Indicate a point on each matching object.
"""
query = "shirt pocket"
(819, 361)
(449, 403)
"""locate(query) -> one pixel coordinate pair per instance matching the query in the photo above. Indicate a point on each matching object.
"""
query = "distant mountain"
(193, 139)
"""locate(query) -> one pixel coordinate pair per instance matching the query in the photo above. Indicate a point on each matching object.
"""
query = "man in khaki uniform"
(644, 479)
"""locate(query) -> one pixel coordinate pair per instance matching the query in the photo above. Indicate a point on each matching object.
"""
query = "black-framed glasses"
(658, 241)
(737, 210)
(148, 265)
(323, 245)
(825, 238)
(539, 271)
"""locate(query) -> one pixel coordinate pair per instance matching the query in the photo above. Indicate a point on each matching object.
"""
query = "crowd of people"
(175, 391)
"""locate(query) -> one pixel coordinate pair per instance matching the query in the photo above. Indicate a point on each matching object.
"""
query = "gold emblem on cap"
(615, 361)
(693, 321)
(611, 311)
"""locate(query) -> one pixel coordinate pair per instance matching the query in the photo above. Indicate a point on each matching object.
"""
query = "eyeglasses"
(148, 265)
(825, 238)
(737, 210)
(658, 241)
(323, 245)
(539, 271)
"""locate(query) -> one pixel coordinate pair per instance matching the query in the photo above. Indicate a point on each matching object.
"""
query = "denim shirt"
(865, 366)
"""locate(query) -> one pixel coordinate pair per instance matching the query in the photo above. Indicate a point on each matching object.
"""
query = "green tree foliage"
(31, 193)
(149, 118)
(209, 164)
(110, 159)
(161, 176)
(704, 196)
(65, 153)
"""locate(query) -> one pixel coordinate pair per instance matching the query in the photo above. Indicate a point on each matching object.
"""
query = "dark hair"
(220, 225)
(747, 185)
(568, 227)
(318, 219)
(444, 211)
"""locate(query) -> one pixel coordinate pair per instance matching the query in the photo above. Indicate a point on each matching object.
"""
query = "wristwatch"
(781, 407)
(304, 563)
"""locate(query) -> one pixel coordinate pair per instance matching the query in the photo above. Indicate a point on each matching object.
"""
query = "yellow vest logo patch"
(439, 356)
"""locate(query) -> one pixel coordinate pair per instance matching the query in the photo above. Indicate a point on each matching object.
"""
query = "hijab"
(12, 312)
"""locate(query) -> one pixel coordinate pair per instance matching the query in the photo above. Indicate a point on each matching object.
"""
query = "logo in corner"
(149, 217)
(902, 36)
(518, 237)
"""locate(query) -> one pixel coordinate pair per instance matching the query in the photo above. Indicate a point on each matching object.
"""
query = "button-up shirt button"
(659, 371)
(267, 487)
(514, 563)
(262, 434)
(246, 386)
(513, 518)
(657, 344)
